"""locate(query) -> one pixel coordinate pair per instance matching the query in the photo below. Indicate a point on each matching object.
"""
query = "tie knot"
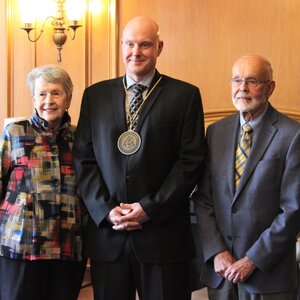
(247, 128)
(138, 88)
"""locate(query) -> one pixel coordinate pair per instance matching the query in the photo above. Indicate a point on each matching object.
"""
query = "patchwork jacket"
(40, 212)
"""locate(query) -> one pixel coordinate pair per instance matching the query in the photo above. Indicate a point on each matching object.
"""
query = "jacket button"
(54, 151)
(56, 182)
(229, 237)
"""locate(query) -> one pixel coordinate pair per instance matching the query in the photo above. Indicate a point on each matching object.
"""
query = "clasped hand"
(233, 270)
(127, 217)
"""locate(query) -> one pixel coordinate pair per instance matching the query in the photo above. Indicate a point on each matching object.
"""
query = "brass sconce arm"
(60, 26)
(74, 25)
(28, 28)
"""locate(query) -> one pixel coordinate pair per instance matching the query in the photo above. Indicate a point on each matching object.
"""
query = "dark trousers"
(231, 291)
(40, 280)
(119, 280)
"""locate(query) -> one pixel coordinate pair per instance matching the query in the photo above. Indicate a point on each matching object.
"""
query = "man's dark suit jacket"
(262, 218)
(160, 175)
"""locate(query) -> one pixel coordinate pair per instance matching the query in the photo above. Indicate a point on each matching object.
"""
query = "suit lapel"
(151, 99)
(229, 150)
(263, 139)
(118, 99)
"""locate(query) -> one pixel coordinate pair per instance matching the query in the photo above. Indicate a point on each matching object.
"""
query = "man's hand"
(222, 261)
(136, 213)
(127, 217)
(240, 270)
(115, 215)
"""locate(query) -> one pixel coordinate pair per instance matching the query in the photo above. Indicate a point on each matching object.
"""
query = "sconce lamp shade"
(74, 9)
(27, 11)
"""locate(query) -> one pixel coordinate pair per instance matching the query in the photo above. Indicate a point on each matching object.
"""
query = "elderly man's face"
(251, 86)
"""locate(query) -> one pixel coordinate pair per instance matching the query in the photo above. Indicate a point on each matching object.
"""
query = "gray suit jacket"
(262, 218)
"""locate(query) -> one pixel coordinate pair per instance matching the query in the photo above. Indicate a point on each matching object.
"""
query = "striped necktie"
(136, 102)
(242, 151)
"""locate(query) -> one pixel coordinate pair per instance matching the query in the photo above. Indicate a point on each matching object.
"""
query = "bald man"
(138, 154)
(248, 205)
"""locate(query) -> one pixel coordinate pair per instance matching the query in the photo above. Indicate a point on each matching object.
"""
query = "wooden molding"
(291, 113)
(211, 116)
(113, 38)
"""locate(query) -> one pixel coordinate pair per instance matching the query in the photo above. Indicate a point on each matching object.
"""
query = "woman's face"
(50, 101)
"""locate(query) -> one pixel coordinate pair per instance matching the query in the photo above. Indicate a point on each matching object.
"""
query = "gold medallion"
(129, 142)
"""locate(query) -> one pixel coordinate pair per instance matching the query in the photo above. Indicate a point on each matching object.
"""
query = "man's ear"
(271, 88)
(160, 47)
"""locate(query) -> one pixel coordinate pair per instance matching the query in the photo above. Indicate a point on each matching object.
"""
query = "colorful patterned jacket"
(40, 212)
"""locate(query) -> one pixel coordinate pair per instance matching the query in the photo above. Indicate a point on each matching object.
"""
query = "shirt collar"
(256, 122)
(147, 81)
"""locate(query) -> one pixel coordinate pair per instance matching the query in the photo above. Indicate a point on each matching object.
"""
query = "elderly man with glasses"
(248, 206)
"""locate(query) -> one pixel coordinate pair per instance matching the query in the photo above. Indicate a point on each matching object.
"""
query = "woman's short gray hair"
(51, 74)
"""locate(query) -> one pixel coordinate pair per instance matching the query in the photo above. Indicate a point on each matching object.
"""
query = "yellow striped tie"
(242, 151)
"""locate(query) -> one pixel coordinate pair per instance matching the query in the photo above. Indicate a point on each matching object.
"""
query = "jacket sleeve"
(88, 173)
(5, 162)
(280, 236)
(210, 236)
(174, 192)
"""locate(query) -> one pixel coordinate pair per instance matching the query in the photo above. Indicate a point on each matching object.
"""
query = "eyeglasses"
(142, 45)
(250, 82)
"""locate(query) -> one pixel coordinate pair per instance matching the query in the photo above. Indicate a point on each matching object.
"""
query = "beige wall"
(202, 39)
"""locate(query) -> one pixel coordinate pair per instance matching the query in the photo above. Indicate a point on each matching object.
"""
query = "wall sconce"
(67, 15)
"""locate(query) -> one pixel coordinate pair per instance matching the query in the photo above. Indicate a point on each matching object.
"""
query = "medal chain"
(134, 117)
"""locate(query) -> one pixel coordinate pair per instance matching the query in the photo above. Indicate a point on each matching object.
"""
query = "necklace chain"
(134, 117)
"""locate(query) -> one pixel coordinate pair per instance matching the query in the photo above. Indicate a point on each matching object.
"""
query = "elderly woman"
(41, 218)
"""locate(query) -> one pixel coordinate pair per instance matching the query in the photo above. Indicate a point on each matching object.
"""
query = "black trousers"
(40, 280)
(121, 279)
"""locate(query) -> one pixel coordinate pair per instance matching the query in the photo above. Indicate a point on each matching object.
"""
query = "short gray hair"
(51, 74)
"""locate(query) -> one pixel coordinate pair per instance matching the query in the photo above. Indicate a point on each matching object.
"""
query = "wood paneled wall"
(202, 39)
(90, 57)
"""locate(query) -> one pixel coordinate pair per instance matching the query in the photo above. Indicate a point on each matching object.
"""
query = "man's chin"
(243, 109)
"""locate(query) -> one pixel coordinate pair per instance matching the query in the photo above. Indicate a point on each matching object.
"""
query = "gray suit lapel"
(229, 150)
(264, 138)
